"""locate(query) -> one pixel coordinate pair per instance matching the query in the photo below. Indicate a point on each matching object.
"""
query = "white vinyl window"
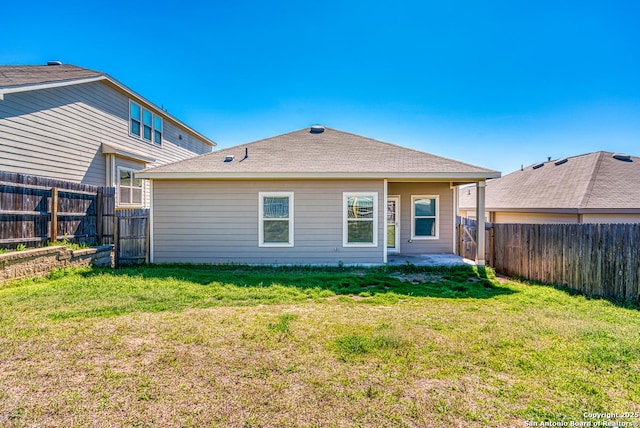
(144, 124)
(275, 219)
(360, 219)
(130, 188)
(424, 217)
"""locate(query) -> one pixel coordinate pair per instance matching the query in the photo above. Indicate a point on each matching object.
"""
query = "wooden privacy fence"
(37, 210)
(595, 259)
(132, 236)
(466, 239)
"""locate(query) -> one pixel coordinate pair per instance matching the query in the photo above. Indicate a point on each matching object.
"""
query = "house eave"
(47, 85)
(159, 111)
(562, 210)
(467, 177)
(107, 79)
(110, 150)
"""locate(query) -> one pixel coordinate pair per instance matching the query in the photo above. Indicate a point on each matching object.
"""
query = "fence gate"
(466, 234)
(132, 237)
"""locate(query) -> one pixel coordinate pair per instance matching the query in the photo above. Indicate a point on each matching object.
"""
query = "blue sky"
(494, 83)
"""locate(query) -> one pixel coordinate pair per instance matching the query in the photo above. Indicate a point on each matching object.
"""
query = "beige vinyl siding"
(444, 243)
(212, 221)
(471, 213)
(533, 218)
(58, 133)
(611, 218)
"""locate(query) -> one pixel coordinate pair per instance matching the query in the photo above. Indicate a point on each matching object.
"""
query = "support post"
(480, 232)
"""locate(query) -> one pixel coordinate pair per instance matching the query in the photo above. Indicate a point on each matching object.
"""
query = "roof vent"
(317, 129)
(622, 157)
(540, 165)
(560, 162)
(54, 62)
(228, 158)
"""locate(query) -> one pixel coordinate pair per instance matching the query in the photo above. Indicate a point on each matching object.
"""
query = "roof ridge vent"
(317, 129)
(540, 165)
(54, 62)
(561, 161)
(622, 157)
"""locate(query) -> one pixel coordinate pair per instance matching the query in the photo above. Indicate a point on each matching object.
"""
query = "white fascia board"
(315, 175)
(47, 85)
(107, 149)
(158, 110)
(561, 210)
(60, 83)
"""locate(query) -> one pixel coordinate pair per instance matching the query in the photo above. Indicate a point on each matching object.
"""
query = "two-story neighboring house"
(71, 123)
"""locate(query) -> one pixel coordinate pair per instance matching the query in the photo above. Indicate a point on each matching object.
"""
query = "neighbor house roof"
(320, 152)
(22, 78)
(586, 183)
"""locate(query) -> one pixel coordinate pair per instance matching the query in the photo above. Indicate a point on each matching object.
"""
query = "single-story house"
(599, 187)
(71, 123)
(312, 196)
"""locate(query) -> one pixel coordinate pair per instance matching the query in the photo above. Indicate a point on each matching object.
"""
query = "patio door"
(393, 224)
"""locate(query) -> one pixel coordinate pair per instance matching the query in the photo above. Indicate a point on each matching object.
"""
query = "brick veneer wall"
(41, 261)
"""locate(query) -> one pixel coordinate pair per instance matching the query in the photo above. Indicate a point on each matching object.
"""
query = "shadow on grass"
(465, 282)
(620, 302)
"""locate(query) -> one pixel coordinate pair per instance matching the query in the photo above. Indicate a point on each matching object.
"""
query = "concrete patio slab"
(429, 260)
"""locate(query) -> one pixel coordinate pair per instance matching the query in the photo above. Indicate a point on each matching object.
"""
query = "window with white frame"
(276, 219)
(424, 217)
(360, 219)
(130, 188)
(144, 124)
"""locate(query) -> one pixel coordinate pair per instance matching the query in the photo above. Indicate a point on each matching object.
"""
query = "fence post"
(54, 214)
(147, 240)
(491, 247)
(99, 216)
(116, 239)
(460, 228)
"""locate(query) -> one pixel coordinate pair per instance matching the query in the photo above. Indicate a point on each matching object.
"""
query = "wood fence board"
(594, 259)
(29, 216)
(132, 226)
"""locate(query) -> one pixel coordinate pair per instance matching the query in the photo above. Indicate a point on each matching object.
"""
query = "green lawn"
(286, 347)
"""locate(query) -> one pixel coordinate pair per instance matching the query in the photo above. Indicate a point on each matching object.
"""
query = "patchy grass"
(250, 347)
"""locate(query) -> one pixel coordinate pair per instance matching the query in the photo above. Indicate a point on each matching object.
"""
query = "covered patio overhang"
(444, 257)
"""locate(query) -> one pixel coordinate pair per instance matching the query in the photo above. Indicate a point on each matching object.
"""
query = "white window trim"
(398, 220)
(153, 124)
(345, 219)
(261, 196)
(131, 204)
(413, 217)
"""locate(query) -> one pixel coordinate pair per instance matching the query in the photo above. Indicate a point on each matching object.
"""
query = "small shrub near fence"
(595, 259)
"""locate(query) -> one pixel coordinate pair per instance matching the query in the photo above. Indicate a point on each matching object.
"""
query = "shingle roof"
(325, 153)
(590, 181)
(15, 75)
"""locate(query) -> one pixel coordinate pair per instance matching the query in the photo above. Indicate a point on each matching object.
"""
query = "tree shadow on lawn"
(462, 282)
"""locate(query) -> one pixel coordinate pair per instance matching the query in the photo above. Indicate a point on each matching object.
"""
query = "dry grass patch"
(211, 355)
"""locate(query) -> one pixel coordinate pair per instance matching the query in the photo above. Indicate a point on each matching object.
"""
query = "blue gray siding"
(204, 221)
(444, 243)
(58, 133)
